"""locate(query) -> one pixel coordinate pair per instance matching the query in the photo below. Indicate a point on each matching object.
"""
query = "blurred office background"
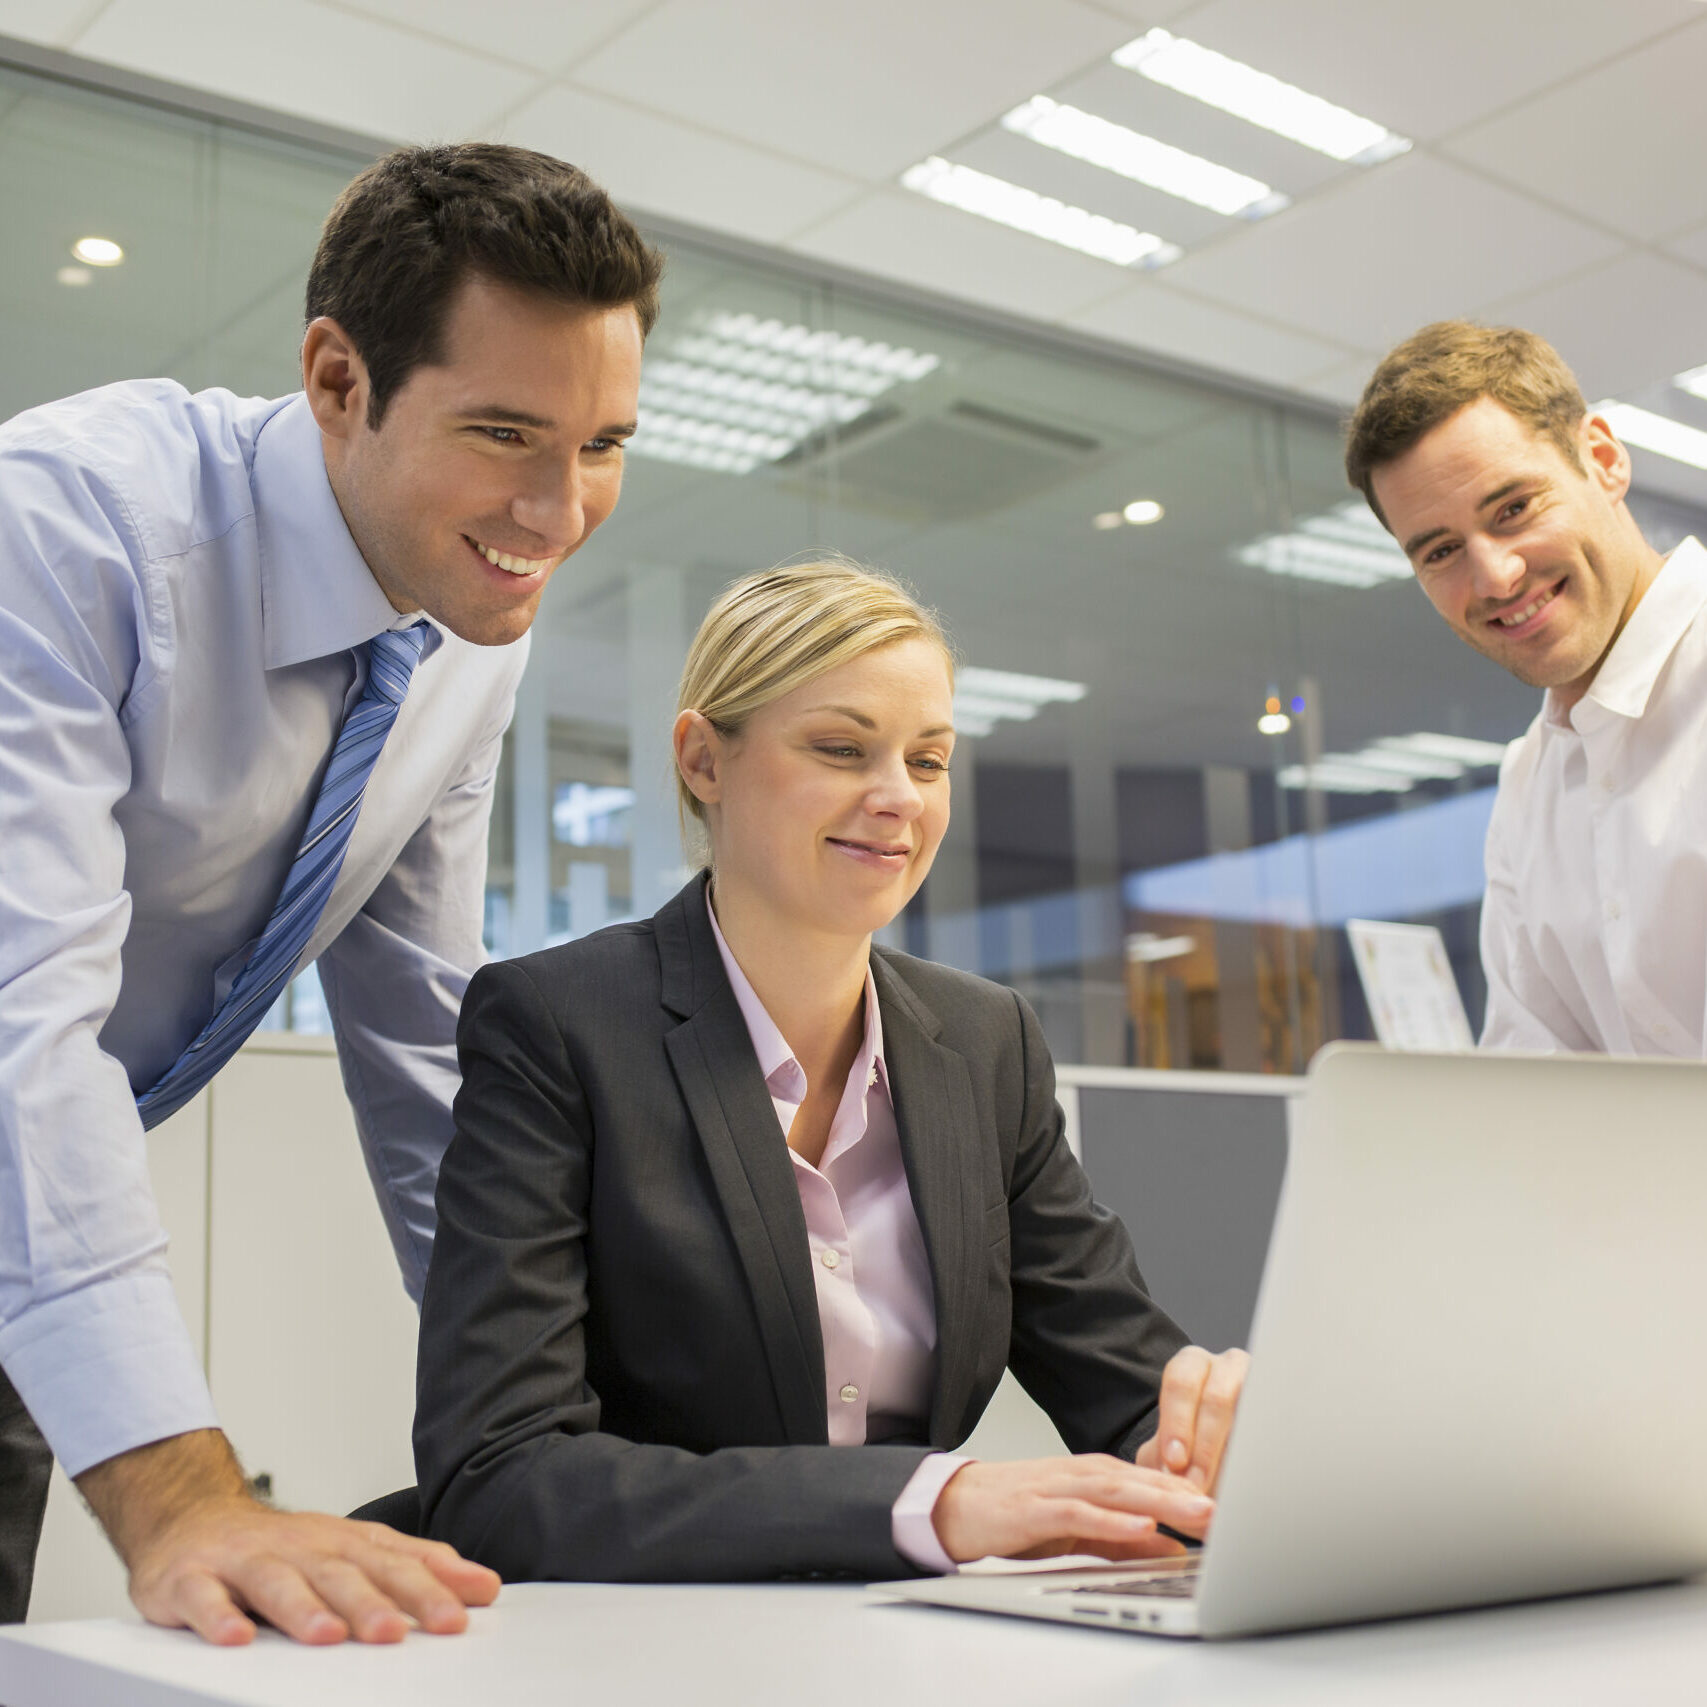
(1005, 299)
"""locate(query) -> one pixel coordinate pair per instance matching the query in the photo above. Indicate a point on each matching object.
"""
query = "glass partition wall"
(1206, 716)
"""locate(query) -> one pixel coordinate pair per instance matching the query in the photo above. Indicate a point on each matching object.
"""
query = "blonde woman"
(744, 1219)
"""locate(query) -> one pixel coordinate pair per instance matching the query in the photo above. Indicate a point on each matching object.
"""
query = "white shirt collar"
(1625, 680)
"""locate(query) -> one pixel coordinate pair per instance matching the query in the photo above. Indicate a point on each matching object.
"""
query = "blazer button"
(849, 1393)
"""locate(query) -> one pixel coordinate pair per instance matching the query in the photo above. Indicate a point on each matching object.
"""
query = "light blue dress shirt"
(181, 616)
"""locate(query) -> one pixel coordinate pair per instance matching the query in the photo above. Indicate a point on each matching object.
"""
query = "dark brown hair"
(406, 234)
(1437, 371)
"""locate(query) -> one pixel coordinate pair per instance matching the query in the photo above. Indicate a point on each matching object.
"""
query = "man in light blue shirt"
(191, 588)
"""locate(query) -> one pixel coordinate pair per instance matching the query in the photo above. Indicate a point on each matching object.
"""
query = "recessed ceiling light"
(1101, 142)
(76, 277)
(732, 391)
(1345, 546)
(1395, 764)
(1142, 511)
(1259, 99)
(1273, 723)
(1025, 210)
(97, 251)
(1694, 381)
(1658, 433)
(1108, 519)
(982, 697)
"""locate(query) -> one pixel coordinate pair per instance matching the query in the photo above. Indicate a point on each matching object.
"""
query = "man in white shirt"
(258, 657)
(1476, 449)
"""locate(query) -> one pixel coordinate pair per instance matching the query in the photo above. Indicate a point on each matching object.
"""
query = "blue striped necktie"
(392, 657)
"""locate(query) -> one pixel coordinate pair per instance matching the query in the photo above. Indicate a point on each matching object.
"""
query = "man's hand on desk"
(1044, 1507)
(1200, 1393)
(202, 1552)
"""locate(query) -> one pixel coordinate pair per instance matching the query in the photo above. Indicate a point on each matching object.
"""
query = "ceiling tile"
(1691, 245)
(1621, 145)
(898, 236)
(1150, 316)
(1426, 71)
(1342, 384)
(52, 23)
(655, 165)
(545, 38)
(1628, 324)
(382, 81)
(863, 89)
(1369, 261)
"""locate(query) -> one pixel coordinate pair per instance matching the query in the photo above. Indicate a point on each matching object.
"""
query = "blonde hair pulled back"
(773, 632)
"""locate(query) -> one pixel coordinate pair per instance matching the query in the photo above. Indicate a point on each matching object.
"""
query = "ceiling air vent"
(968, 460)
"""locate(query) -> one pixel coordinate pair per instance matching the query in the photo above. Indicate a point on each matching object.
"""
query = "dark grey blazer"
(621, 1369)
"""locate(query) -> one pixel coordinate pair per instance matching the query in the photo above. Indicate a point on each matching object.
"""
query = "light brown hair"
(1438, 371)
(773, 632)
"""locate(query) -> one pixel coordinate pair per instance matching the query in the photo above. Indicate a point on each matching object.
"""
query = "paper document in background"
(1407, 980)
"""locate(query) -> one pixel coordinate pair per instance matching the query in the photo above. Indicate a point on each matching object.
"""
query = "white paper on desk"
(1407, 981)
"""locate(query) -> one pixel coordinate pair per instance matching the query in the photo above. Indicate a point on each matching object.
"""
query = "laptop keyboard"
(1171, 1585)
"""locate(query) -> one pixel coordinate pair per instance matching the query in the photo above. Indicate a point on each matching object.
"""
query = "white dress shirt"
(1594, 928)
(182, 612)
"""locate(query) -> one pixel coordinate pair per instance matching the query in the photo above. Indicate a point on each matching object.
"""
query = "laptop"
(1479, 1361)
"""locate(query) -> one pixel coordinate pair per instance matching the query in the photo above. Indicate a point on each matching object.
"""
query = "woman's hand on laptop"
(1042, 1507)
(1200, 1394)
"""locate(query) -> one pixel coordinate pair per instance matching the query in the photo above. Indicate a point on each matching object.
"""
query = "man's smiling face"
(490, 465)
(1531, 558)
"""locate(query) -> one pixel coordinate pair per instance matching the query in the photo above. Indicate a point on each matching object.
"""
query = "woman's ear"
(699, 756)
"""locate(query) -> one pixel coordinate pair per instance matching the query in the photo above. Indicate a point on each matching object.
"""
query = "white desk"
(547, 1645)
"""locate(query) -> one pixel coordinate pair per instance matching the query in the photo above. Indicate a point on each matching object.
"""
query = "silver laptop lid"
(1480, 1350)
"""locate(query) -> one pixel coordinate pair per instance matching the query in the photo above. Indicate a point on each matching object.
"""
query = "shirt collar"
(1624, 682)
(782, 1071)
(318, 595)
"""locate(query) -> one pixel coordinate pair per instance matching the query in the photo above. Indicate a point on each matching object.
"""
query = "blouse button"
(849, 1393)
(831, 1259)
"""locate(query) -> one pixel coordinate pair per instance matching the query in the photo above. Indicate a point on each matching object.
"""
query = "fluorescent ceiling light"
(1142, 511)
(1658, 433)
(1038, 690)
(1336, 775)
(1273, 723)
(1041, 216)
(1345, 547)
(1473, 755)
(734, 391)
(983, 697)
(1145, 947)
(1394, 763)
(1101, 142)
(1694, 381)
(1259, 99)
(839, 349)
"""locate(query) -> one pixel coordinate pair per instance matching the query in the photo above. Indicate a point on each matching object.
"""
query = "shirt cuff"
(910, 1525)
(106, 1369)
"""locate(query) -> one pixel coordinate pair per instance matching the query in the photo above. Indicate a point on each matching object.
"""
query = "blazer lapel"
(719, 1078)
(936, 1119)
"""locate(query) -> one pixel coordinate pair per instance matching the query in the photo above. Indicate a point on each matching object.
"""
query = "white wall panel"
(77, 1574)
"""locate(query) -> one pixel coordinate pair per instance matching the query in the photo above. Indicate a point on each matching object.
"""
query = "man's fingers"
(1215, 1411)
(203, 1603)
(1182, 1386)
(352, 1593)
(410, 1584)
(281, 1594)
(472, 1584)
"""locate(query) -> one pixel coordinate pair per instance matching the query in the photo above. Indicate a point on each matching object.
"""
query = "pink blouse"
(876, 1305)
